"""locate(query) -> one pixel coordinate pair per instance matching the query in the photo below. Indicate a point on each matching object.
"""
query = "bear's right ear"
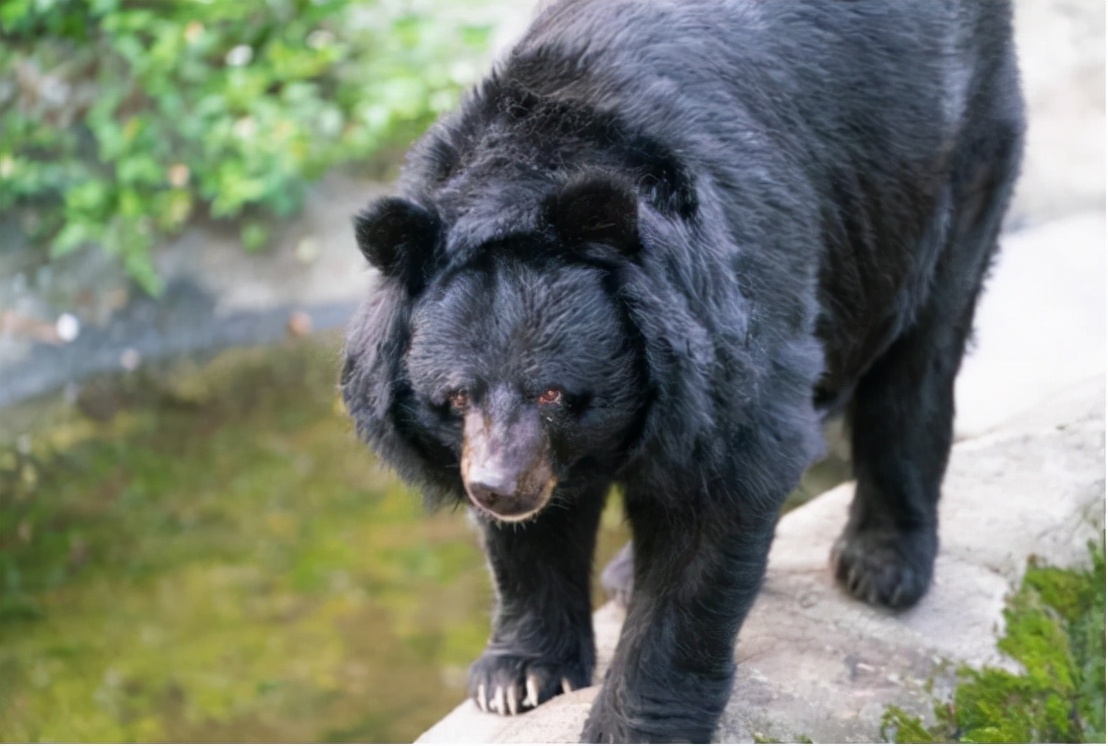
(400, 238)
(596, 209)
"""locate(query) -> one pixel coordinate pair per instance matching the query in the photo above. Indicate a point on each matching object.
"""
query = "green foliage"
(120, 119)
(1055, 630)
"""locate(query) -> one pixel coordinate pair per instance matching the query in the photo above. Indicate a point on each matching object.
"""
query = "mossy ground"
(1055, 630)
(209, 555)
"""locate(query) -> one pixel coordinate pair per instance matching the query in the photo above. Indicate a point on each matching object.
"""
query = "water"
(202, 551)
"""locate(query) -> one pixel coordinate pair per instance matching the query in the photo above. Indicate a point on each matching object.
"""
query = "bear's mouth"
(506, 467)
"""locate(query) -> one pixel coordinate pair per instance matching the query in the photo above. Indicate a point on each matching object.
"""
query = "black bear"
(657, 247)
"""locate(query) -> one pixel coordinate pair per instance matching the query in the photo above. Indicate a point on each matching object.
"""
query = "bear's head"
(521, 369)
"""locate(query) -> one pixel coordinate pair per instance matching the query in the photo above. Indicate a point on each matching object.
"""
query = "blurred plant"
(120, 119)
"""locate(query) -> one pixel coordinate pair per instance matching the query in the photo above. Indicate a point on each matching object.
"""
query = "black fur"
(712, 224)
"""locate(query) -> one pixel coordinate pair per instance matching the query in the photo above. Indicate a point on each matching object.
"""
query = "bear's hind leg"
(902, 427)
(542, 639)
(902, 414)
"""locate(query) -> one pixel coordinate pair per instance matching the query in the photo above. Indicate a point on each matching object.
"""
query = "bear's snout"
(505, 465)
(498, 494)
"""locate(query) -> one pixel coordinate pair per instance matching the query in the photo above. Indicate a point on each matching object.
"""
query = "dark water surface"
(202, 551)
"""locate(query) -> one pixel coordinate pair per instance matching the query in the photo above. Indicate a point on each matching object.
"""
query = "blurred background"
(193, 546)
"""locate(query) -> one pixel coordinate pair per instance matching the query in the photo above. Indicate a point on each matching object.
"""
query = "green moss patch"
(1055, 630)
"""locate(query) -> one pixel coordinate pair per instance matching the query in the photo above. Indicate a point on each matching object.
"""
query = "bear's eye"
(550, 397)
(459, 402)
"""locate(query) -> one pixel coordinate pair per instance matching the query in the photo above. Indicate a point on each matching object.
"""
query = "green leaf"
(476, 36)
(90, 198)
(254, 236)
(140, 169)
(140, 267)
(71, 237)
(13, 12)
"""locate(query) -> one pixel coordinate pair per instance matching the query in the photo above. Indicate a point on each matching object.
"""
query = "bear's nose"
(501, 496)
(498, 493)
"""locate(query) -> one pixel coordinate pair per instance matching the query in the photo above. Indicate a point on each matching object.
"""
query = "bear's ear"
(400, 238)
(596, 209)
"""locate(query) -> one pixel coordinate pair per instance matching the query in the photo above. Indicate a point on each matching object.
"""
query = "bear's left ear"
(400, 238)
(596, 209)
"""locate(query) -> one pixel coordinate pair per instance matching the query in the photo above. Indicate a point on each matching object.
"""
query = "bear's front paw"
(885, 566)
(510, 683)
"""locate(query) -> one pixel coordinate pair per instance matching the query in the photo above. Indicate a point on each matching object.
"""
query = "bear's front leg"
(542, 638)
(695, 579)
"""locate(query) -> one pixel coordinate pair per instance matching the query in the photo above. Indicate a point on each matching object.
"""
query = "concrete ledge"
(815, 663)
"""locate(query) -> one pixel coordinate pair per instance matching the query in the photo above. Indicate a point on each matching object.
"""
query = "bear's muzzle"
(506, 464)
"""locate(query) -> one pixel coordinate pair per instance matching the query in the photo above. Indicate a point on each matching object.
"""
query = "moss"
(1055, 630)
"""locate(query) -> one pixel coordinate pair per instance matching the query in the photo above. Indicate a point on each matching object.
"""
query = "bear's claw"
(508, 684)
